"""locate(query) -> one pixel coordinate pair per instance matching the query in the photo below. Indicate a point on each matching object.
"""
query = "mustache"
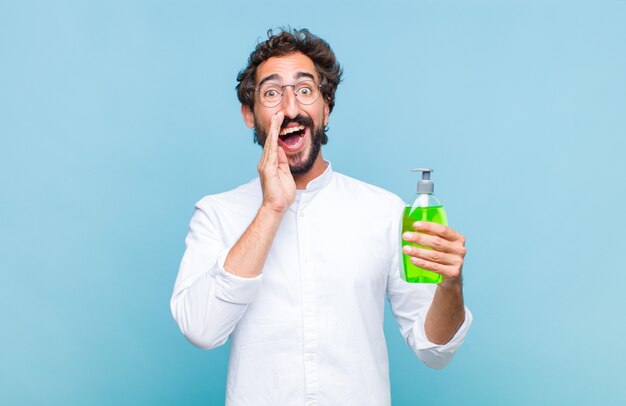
(302, 120)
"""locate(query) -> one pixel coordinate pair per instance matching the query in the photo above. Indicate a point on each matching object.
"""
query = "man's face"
(302, 130)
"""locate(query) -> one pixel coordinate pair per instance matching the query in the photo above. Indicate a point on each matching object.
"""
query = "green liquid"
(436, 214)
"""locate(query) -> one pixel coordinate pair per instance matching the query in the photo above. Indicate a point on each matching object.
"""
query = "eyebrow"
(275, 76)
(301, 75)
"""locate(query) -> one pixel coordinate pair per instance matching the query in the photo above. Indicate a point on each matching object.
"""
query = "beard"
(303, 163)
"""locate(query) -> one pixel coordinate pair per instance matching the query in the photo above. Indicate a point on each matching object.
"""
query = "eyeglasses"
(271, 94)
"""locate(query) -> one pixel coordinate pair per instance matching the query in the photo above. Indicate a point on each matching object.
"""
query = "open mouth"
(292, 136)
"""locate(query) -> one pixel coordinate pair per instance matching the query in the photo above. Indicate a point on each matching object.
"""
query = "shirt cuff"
(232, 288)
(422, 342)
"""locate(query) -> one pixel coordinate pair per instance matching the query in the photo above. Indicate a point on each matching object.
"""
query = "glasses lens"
(270, 94)
(306, 92)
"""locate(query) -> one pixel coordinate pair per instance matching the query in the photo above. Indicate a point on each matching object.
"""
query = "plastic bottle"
(424, 206)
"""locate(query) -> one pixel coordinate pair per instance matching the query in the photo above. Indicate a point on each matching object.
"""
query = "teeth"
(290, 130)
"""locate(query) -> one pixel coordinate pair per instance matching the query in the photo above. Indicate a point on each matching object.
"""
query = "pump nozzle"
(425, 185)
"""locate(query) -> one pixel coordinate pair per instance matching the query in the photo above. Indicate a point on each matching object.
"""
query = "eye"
(305, 91)
(270, 93)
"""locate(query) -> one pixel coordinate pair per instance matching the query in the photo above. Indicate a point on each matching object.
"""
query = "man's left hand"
(447, 253)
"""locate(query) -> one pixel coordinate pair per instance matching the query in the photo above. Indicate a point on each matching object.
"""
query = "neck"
(318, 168)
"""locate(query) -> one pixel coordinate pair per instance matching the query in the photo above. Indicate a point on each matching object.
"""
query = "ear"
(326, 114)
(248, 115)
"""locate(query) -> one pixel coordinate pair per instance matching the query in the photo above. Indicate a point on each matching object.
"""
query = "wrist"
(452, 285)
(271, 213)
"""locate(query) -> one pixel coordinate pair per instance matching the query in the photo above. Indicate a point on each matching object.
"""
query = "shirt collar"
(322, 180)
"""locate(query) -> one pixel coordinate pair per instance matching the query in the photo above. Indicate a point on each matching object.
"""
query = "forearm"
(446, 313)
(204, 315)
(247, 257)
(207, 302)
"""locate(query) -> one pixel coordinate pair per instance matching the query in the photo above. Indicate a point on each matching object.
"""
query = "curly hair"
(285, 42)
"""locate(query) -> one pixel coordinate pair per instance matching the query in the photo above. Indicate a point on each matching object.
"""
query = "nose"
(289, 105)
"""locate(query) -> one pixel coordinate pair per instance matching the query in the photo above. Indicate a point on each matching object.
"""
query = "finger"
(436, 243)
(272, 138)
(433, 256)
(273, 125)
(264, 153)
(440, 230)
(447, 271)
(267, 147)
(282, 157)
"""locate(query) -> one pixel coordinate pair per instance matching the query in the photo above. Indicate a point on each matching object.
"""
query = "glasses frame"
(282, 94)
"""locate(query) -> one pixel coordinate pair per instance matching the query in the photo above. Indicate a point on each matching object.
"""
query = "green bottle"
(424, 206)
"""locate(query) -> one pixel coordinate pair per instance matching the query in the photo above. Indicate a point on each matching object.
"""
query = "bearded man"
(295, 265)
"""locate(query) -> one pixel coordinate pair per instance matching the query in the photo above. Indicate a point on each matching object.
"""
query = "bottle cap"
(425, 185)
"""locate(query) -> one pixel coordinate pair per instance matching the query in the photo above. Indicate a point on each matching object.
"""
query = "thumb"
(282, 156)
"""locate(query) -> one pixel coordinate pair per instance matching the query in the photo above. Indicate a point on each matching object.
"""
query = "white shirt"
(309, 329)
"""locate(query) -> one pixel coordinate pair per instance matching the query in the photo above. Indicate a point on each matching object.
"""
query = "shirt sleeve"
(410, 303)
(208, 301)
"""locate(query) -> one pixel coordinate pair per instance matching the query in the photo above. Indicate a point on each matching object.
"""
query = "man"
(294, 266)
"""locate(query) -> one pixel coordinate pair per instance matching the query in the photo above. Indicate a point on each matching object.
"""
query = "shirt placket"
(309, 313)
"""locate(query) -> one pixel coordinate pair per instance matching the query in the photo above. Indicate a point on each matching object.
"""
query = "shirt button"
(301, 214)
(309, 357)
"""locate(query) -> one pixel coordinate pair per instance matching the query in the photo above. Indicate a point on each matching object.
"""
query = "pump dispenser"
(424, 206)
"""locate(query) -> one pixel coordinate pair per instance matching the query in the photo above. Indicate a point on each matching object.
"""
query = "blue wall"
(116, 116)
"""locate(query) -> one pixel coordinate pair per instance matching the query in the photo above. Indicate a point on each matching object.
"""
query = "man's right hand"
(277, 183)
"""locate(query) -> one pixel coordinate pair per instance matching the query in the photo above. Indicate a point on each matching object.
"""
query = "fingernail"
(406, 249)
(418, 224)
(407, 236)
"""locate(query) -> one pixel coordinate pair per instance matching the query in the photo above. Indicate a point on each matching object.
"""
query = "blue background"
(116, 117)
